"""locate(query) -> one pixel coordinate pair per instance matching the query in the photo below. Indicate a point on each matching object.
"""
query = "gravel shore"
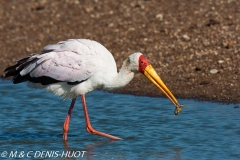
(193, 45)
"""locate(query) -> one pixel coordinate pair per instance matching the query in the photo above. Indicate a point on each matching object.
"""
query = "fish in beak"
(146, 69)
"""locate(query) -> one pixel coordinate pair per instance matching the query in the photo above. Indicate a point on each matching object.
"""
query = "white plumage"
(75, 60)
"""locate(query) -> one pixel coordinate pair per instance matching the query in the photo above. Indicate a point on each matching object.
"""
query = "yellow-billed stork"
(75, 67)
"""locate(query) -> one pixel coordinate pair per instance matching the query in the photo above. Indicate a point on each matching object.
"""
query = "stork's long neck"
(122, 78)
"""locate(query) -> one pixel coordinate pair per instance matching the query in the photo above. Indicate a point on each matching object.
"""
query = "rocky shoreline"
(193, 45)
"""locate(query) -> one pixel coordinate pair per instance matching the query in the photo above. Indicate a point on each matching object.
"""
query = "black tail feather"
(19, 79)
(11, 68)
(11, 73)
(17, 68)
(20, 65)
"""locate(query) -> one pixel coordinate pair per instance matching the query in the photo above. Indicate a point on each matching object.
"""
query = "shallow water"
(31, 125)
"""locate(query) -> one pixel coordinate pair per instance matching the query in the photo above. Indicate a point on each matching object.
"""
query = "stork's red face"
(143, 63)
(146, 68)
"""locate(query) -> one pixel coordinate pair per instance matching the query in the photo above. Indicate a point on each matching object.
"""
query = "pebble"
(186, 37)
(220, 61)
(213, 71)
(159, 16)
(228, 45)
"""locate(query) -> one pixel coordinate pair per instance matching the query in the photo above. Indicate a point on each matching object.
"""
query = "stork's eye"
(128, 60)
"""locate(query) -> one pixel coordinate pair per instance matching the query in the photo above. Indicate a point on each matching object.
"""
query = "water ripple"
(32, 120)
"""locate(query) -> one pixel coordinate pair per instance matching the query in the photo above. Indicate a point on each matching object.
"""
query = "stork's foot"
(90, 129)
(65, 128)
(67, 120)
(65, 136)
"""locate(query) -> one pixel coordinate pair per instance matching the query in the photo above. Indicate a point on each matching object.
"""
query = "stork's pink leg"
(67, 120)
(89, 128)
